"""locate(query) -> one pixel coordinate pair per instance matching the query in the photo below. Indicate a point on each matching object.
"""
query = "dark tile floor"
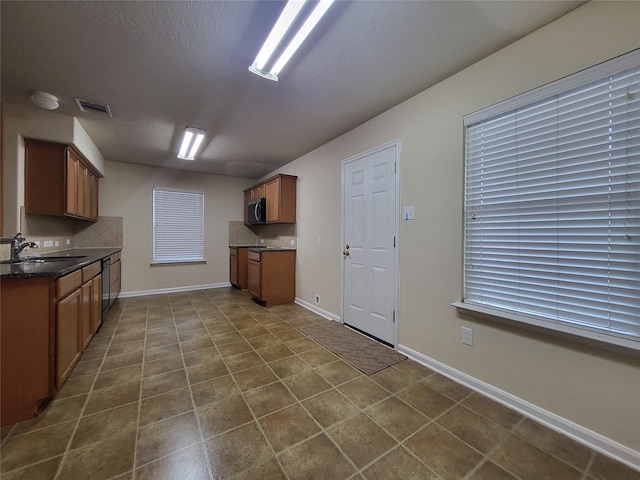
(207, 384)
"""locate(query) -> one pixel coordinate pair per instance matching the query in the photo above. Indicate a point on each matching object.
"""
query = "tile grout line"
(144, 353)
(193, 402)
(587, 470)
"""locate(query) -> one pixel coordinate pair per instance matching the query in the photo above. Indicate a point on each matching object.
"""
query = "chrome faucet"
(16, 245)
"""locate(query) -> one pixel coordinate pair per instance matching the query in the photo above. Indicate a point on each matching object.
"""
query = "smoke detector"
(93, 107)
(44, 100)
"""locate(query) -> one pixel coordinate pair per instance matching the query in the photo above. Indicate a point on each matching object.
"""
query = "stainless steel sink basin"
(63, 258)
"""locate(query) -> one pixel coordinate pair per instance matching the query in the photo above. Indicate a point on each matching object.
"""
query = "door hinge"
(395, 168)
(394, 316)
(394, 241)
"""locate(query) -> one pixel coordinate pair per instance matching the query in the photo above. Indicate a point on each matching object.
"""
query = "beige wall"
(19, 123)
(126, 191)
(586, 385)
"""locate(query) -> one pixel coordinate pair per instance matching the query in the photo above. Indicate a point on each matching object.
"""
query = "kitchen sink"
(64, 258)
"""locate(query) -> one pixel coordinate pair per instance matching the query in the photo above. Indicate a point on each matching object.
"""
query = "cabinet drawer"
(233, 252)
(91, 271)
(115, 257)
(255, 256)
(68, 283)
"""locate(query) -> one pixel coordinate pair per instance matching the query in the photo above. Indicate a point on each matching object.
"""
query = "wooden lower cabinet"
(86, 325)
(68, 344)
(45, 325)
(254, 275)
(272, 278)
(27, 339)
(238, 267)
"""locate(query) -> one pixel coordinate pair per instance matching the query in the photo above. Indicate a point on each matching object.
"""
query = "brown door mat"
(365, 354)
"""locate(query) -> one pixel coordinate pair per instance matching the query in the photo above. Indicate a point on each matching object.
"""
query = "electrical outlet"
(317, 299)
(318, 239)
(467, 336)
(37, 242)
(68, 241)
(292, 242)
(57, 243)
(262, 240)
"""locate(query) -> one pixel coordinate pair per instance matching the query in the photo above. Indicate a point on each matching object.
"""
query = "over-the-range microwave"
(257, 212)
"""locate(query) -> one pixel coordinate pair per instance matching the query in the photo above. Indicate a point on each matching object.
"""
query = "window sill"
(178, 262)
(585, 335)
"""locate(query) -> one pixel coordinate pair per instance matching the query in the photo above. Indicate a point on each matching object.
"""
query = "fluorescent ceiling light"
(191, 141)
(286, 19)
(282, 26)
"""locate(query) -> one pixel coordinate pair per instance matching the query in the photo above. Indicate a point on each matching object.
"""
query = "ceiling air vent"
(93, 107)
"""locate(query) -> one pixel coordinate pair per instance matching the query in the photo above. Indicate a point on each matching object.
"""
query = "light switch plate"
(409, 212)
(467, 336)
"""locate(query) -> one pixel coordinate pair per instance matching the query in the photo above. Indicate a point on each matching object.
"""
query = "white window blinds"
(552, 205)
(178, 225)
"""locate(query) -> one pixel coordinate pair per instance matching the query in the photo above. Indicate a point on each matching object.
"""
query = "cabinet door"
(93, 197)
(86, 327)
(67, 335)
(233, 269)
(96, 302)
(258, 192)
(254, 280)
(81, 191)
(84, 193)
(71, 184)
(273, 200)
(247, 200)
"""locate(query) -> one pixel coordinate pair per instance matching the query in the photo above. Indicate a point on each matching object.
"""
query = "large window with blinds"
(552, 206)
(178, 225)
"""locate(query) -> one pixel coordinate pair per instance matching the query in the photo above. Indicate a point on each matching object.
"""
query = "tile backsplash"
(276, 235)
(65, 233)
(106, 232)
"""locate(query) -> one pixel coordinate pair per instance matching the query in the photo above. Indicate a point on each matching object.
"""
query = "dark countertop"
(271, 249)
(261, 248)
(58, 268)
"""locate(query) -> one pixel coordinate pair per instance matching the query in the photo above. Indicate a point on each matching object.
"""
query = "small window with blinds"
(552, 206)
(178, 225)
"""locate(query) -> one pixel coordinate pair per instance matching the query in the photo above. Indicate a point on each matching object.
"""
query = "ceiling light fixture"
(280, 29)
(191, 141)
(44, 100)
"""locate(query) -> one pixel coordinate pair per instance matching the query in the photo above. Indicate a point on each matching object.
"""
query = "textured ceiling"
(162, 66)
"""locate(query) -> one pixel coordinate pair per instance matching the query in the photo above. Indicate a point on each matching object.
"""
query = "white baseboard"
(141, 293)
(318, 310)
(577, 432)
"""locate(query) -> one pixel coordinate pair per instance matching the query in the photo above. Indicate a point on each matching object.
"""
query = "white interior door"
(369, 231)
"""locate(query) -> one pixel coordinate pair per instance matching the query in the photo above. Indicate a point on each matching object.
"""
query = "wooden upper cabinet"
(93, 197)
(257, 192)
(247, 200)
(281, 199)
(59, 181)
(280, 194)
